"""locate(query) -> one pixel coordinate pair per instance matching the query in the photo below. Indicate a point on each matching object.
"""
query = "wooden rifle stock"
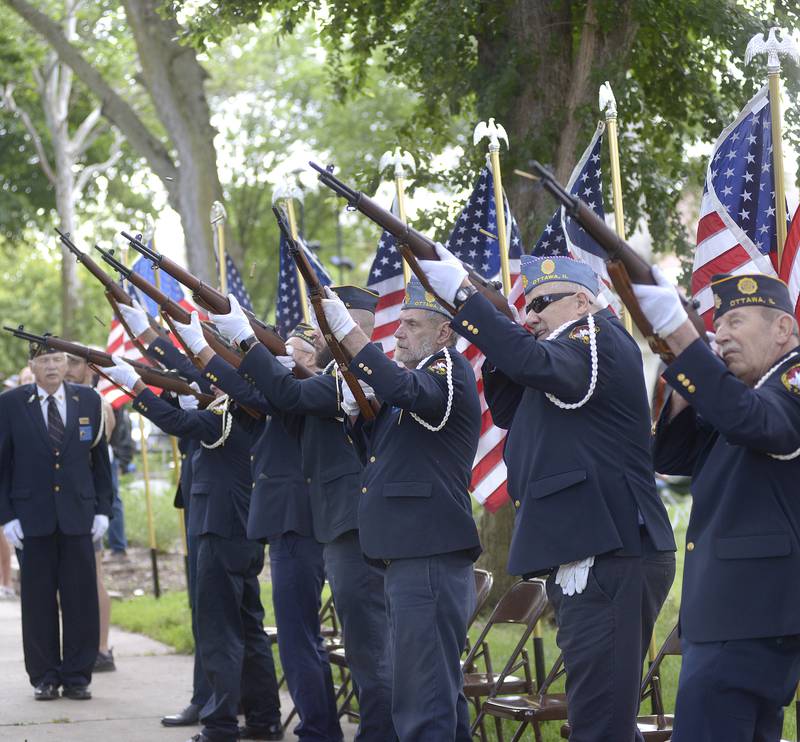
(625, 266)
(167, 380)
(317, 294)
(418, 246)
(215, 301)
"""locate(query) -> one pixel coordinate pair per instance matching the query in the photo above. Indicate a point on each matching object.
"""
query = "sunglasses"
(539, 303)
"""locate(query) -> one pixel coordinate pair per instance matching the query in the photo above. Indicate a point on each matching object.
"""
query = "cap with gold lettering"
(538, 270)
(749, 290)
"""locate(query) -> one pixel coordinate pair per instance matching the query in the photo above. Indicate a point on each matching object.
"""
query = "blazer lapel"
(34, 408)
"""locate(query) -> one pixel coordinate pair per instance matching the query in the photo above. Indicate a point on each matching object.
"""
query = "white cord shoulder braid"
(593, 375)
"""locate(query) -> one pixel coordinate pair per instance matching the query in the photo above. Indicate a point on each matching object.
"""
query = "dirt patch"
(133, 575)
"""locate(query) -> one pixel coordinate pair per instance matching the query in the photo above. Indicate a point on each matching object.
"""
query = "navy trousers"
(59, 570)
(235, 650)
(298, 574)
(201, 690)
(358, 594)
(736, 690)
(604, 633)
(429, 601)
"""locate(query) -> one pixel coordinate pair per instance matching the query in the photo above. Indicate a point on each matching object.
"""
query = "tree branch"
(7, 99)
(97, 168)
(117, 110)
(78, 143)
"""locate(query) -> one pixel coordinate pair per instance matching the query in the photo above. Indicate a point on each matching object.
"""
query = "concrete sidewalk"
(150, 681)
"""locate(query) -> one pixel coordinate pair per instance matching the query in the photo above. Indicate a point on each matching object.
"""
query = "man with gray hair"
(570, 390)
(734, 426)
(414, 516)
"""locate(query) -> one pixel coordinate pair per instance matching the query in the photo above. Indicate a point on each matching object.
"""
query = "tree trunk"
(495, 530)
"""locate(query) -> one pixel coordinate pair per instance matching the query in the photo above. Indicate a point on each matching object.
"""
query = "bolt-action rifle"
(413, 245)
(317, 293)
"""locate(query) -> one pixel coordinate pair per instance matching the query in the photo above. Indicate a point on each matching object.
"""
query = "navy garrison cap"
(749, 290)
(354, 297)
(36, 349)
(304, 332)
(418, 298)
(536, 270)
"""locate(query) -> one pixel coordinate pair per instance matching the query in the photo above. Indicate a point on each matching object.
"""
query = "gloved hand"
(446, 274)
(572, 577)
(189, 401)
(233, 326)
(339, 319)
(349, 404)
(99, 526)
(135, 317)
(661, 304)
(122, 373)
(13, 533)
(192, 334)
(287, 361)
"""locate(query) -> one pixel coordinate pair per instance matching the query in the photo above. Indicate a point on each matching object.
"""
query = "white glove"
(99, 526)
(192, 334)
(135, 317)
(446, 274)
(189, 401)
(13, 533)
(339, 319)
(572, 577)
(661, 304)
(287, 361)
(349, 404)
(233, 326)
(122, 373)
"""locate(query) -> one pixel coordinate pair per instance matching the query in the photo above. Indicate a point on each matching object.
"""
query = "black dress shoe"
(77, 692)
(273, 731)
(186, 718)
(46, 692)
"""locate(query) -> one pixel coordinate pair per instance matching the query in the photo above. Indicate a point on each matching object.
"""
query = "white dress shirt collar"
(60, 395)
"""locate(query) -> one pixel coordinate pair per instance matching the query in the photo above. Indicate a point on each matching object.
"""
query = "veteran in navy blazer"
(571, 393)
(311, 408)
(235, 652)
(415, 516)
(733, 424)
(280, 514)
(55, 499)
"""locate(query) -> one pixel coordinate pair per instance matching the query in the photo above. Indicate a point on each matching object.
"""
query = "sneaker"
(105, 662)
(7, 593)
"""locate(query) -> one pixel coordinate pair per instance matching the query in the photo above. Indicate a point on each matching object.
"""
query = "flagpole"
(608, 103)
(774, 50)
(218, 218)
(495, 132)
(288, 193)
(400, 160)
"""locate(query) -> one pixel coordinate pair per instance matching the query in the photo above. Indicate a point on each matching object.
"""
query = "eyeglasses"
(539, 303)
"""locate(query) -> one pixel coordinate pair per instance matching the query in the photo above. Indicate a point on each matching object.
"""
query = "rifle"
(114, 293)
(317, 294)
(172, 310)
(413, 245)
(625, 266)
(169, 381)
(216, 302)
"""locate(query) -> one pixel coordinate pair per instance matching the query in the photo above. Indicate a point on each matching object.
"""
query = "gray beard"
(426, 349)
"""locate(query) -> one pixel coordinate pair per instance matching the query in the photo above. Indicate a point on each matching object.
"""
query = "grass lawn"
(168, 620)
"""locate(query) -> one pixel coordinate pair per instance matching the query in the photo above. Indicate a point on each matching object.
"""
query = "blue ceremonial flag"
(288, 311)
(166, 283)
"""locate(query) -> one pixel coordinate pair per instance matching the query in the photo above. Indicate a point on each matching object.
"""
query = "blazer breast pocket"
(555, 483)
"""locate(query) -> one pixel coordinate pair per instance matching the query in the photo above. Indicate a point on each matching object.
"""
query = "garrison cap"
(36, 349)
(305, 332)
(749, 290)
(354, 297)
(418, 298)
(539, 270)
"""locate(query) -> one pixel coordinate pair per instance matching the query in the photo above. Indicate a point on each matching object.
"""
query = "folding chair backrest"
(521, 602)
(483, 586)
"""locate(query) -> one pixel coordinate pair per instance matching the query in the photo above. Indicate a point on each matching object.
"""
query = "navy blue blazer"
(221, 482)
(280, 502)
(415, 498)
(743, 540)
(311, 408)
(50, 489)
(579, 479)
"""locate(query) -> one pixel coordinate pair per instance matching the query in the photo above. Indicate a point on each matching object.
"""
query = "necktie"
(55, 425)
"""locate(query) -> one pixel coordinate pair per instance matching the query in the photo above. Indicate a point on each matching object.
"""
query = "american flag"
(233, 279)
(288, 311)
(736, 232)
(482, 252)
(790, 262)
(118, 340)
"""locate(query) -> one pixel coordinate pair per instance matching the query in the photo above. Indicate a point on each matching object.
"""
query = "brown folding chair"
(655, 727)
(523, 604)
(483, 586)
(532, 709)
